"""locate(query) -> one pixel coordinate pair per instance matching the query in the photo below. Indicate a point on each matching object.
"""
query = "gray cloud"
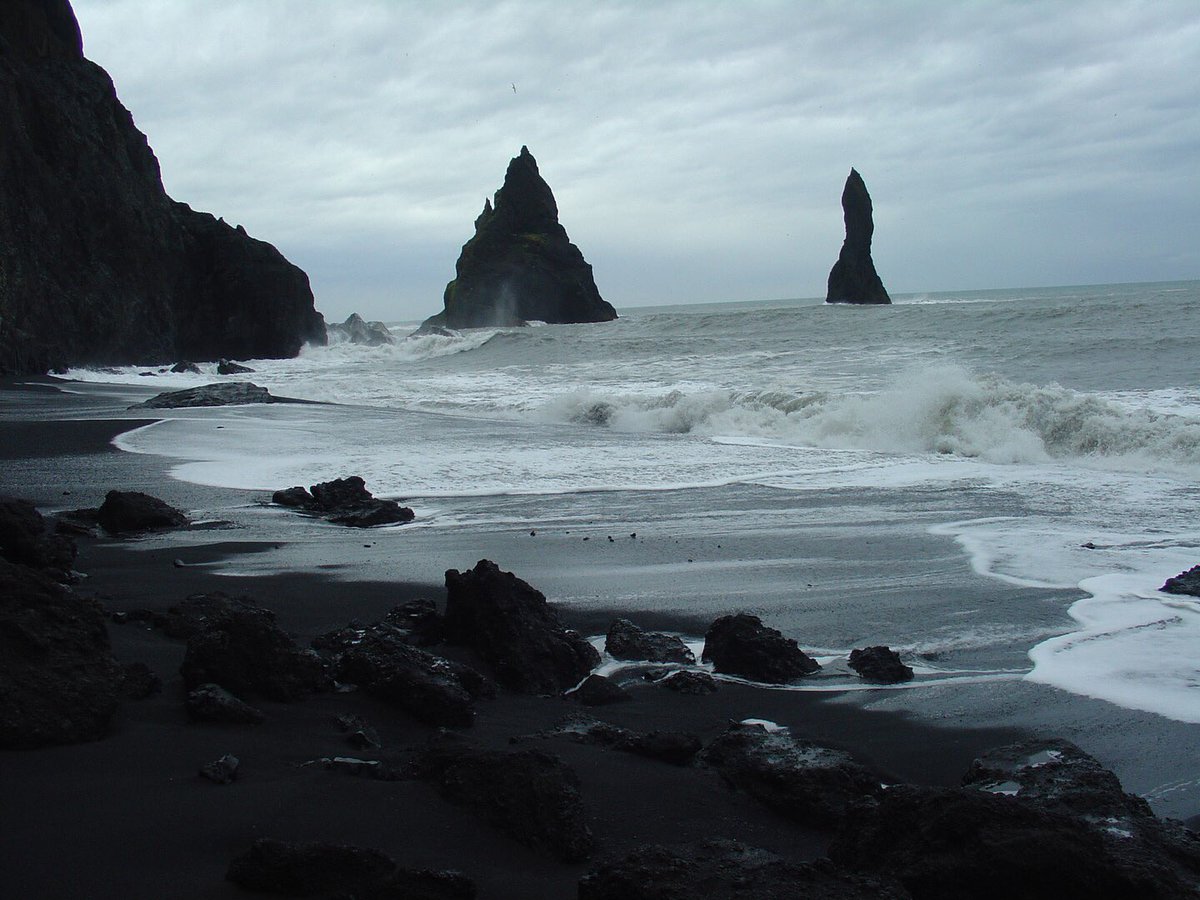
(697, 150)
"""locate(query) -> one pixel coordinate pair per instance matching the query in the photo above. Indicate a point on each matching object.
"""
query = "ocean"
(994, 483)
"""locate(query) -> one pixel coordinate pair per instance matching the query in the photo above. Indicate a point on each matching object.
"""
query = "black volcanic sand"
(128, 817)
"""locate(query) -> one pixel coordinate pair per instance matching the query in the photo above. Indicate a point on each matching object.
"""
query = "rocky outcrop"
(127, 512)
(227, 393)
(678, 748)
(626, 641)
(512, 628)
(357, 331)
(1184, 583)
(97, 264)
(344, 501)
(881, 665)
(742, 645)
(58, 681)
(520, 266)
(726, 870)
(800, 780)
(853, 278)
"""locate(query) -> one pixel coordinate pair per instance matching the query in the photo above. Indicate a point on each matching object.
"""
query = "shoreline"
(141, 823)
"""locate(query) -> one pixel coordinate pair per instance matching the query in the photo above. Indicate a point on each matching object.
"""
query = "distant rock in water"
(357, 331)
(98, 266)
(224, 393)
(853, 278)
(520, 266)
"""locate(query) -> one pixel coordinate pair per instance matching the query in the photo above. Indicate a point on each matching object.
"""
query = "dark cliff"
(520, 265)
(97, 264)
(853, 278)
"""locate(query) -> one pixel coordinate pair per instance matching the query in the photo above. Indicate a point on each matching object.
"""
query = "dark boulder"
(1184, 583)
(100, 265)
(880, 664)
(26, 540)
(224, 393)
(626, 641)
(596, 690)
(212, 703)
(694, 683)
(741, 645)
(512, 628)
(678, 748)
(245, 652)
(801, 780)
(227, 367)
(124, 512)
(302, 870)
(532, 797)
(138, 681)
(58, 681)
(520, 266)
(725, 870)
(344, 501)
(221, 771)
(416, 621)
(360, 734)
(185, 368)
(853, 278)
(356, 331)
(197, 613)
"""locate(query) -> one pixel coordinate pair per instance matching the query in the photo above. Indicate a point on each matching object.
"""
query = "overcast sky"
(697, 150)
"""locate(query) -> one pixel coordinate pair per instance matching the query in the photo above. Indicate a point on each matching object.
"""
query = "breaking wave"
(943, 409)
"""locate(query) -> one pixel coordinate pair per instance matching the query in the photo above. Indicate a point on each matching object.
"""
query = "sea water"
(995, 483)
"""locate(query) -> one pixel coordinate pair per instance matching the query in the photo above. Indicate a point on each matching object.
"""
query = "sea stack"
(520, 266)
(97, 264)
(853, 278)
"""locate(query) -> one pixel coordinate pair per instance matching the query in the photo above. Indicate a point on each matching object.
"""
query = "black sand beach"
(128, 816)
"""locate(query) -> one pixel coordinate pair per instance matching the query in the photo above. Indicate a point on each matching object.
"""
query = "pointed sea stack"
(97, 264)
(520, 266)
(853, 278)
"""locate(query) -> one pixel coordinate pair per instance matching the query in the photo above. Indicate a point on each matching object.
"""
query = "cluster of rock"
(520, 266)
(357, 331)
(85, 225)
(344, 501)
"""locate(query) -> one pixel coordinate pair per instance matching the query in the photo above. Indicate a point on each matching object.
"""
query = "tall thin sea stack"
(520, 266)
(853, 278)
(97, 264)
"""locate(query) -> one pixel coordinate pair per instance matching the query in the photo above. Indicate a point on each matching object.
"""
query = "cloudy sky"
(697, 149)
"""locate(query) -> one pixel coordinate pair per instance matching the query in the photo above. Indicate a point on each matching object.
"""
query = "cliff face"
(97, 264)
(853, 278)
(520, 265)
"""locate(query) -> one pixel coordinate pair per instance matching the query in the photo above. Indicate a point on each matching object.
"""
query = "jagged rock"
(212, 703)
(244, 651)
(185, 368)
(880, 664)
(532, 797)
(228, 367)
(596, 690)
(58, 681)
(417, 621)
(355, 331)
(853, 278)
(124, 512)
(1184, 583)
(301, 870)
(678, 748)
(138, 682)
(741, 645)
(25, 539)
(803, 781)
(520, 266)
(344, 501)
(626, 641)
(725, 870)
(221, 771)
(514, 630)
(360, 734)
(225, 393)
(695, 683)
(100, 265)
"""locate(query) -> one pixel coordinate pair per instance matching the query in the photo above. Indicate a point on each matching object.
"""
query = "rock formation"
(520, 265)
(853, 278)
(97, 264)
(355, 330)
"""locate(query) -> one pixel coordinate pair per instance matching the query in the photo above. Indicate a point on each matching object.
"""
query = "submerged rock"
(853, 278)
(344, 501)
(742, 645)
(225, 393)
(880, 664)
(356, 331)
(520, 266)
(626, 641)
(100, 265)
(227, 367)
(514, 630)
(124, 512)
